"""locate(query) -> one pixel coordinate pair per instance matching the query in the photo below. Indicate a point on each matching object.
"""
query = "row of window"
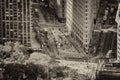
(76, 38)
(77, 33)
(25, 43)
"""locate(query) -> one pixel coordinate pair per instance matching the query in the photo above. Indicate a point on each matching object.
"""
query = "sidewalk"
(68, 49)
(78, 48)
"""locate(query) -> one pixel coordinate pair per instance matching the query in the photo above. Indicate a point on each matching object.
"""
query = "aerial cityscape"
(59, 39)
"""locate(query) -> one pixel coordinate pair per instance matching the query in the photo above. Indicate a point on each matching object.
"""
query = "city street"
(60, 44)
(65, 48)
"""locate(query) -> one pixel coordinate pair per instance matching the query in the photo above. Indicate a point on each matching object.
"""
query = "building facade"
(80, 15)
(118, 31)
(61, 10)
(15, 21)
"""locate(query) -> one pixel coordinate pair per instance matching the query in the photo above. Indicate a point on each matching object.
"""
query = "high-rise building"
(118, 31)
(15, 21)
(80, 15)
(61, 10)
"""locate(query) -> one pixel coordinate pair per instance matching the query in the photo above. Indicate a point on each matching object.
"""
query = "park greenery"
(19, 63)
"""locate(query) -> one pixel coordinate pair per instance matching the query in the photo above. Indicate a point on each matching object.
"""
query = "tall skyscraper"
(80, 15)
(15, 21)
(118, 31)
(61, 10)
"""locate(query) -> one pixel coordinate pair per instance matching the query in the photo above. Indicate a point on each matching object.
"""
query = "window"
(6, 3)
(15, 18)
(10, 1)
(86, 45)
(18, 0)
(11, 24)
(7, 32)
(7, 26)
(63, 11)
(63, 6)
(119, 13)
(86, 1)
(10, 6)
(63, 1)
(11, 18)
(7, 18)
(11, 12)
(11, 27)
(63, 15)
(86, 6)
